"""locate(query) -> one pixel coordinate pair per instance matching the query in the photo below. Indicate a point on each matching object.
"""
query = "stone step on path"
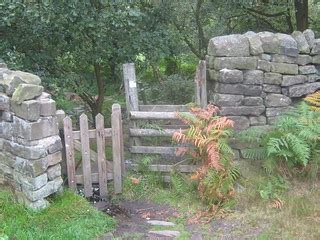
(166, 233)
(163, 233)
(160, 223)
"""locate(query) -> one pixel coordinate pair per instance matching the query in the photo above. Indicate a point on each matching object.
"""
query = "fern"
(293, 142)
(209, 134)
(314, 101)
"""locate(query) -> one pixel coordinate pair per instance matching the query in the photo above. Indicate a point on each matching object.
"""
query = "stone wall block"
(270, 43)
(269, 88)
(252, 101)
(310, 37)
(241, 63)
(305, 59)
(28, 152)
(258, 121)
(53, 159)
(308, 69)
(227, 99)
(239, 89)
(277, 100)
(255, 44)
(213, 75)
(283, 59)
(316, 59)
(284, 68)
(266, 57)
(54, 172)
(4, 102)
(51, 187)
(26, 92)
(302, 42)
(28, 110)
(229, 46)
(275, 111)
(47, 108)
(264, 65)
(7, 116)
(313, 78)
(30, 183)
(230, 76)
(303, 89)
(272, 78)
(240, 122)
(44, 127)
(253, 77)
(289, 80)
(316, 47)
(288, 46)
(30, 168)
(242, 111)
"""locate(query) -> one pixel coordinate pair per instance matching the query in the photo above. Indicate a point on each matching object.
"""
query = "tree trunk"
(97, 108)
(301, 11)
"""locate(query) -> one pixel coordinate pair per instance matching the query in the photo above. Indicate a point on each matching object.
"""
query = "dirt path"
(133, 216)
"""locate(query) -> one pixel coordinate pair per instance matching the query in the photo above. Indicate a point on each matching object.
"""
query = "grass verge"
(68, 217)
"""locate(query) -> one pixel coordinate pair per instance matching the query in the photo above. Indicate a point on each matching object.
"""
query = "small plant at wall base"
(314, 101)
(209, 134)
(292, 147)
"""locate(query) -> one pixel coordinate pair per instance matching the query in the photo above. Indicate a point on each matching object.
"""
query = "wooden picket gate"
(80, 140)
(148, 113)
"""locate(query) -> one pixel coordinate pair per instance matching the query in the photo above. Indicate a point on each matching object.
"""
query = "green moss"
(68, 217)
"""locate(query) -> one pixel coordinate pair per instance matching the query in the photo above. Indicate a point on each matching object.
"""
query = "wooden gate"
(80, 141)
(149, 113)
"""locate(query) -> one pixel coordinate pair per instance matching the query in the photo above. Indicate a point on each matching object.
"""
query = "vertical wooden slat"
(85, 151)
(68, 138)
(102, 166)
(116, 147)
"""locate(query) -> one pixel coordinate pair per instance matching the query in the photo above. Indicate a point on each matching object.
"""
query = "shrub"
(208, 134)
(293, 144)
(175, 89)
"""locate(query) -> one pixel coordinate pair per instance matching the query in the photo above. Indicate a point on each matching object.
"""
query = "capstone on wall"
(30, 146)
(255, 77)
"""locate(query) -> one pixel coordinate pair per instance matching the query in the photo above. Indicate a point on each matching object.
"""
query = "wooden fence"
(148, 113)
(80, 141)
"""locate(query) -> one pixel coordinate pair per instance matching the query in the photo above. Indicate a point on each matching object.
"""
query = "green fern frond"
(255, 154)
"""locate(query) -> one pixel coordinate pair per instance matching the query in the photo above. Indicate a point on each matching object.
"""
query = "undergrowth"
(290, 150)
(292, 146)
(208, 134)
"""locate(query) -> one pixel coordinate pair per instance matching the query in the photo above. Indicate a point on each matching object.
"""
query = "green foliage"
(273, 188)
(174, 89)
(68, 217)
(292, 146)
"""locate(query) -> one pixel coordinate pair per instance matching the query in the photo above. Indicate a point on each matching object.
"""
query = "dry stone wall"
(30, 146)
(255, 77)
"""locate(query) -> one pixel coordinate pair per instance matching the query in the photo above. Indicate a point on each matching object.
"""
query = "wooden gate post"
(130, 85)
(201, 84)
(117, 148)
(132, 100)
